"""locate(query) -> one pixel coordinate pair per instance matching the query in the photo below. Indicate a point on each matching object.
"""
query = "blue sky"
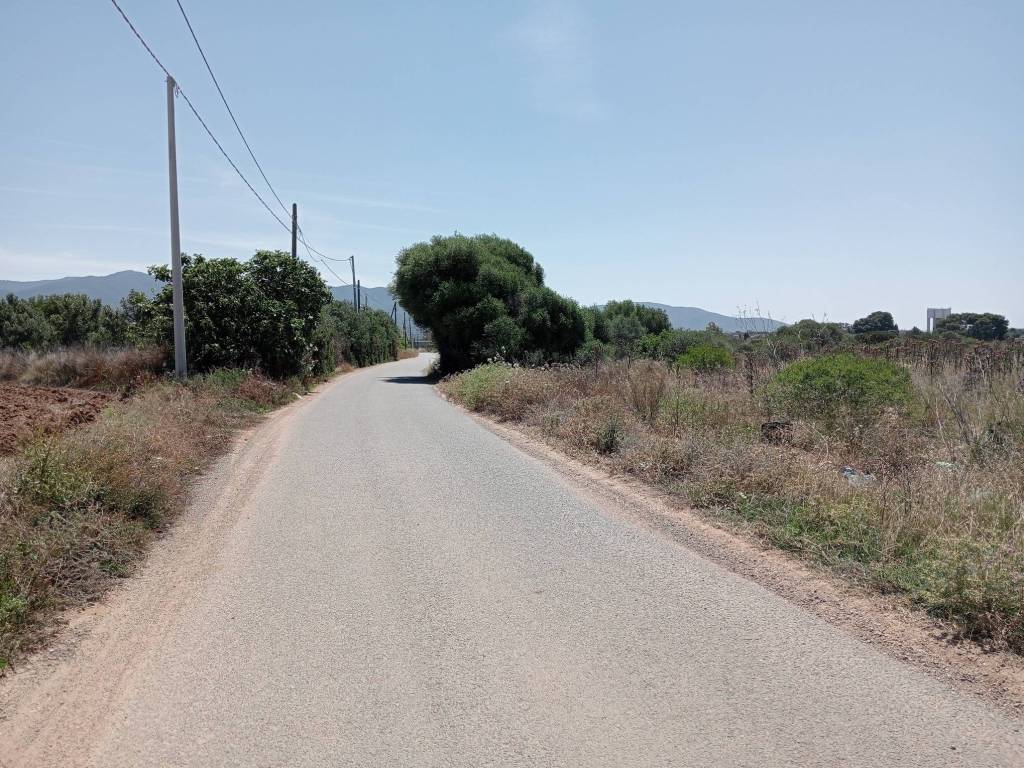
(817, 159)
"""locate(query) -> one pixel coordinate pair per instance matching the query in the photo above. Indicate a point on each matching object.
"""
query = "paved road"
(384, 582)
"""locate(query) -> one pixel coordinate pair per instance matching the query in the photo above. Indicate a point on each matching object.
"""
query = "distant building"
(936, 313)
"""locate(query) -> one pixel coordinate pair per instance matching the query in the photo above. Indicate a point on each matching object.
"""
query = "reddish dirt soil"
(27, 410)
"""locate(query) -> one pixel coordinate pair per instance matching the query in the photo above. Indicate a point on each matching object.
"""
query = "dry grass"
(941, 519)
(78, 509)
(83, 367)
(407, 352)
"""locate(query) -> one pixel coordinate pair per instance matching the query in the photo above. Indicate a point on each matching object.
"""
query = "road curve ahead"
(397, 586)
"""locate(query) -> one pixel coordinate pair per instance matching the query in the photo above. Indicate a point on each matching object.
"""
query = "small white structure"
(936, 313)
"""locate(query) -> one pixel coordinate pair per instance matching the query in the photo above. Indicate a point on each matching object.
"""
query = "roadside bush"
(258, 314)
(42, 323)
(841, 389)
(706, 358)
(360, 338)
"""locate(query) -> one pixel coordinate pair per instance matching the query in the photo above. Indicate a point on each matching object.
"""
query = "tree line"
(271, 313)
(483, 297)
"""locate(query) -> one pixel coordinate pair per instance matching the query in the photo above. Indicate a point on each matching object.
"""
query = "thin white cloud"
(555, 41)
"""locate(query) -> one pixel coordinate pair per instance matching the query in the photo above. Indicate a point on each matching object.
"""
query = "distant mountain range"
(694, 318)
(110, 289)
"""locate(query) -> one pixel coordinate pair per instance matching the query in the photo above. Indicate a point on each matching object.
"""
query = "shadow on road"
(411, 379)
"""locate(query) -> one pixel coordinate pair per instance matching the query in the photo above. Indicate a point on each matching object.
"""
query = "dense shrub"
(484, 297)
(984, 325)
(357, 337)
(42, 323)
(809, 336)
(841, 389)
(706, 358)
(262, 313)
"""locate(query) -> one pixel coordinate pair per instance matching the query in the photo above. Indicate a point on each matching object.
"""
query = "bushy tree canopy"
(484, 296)
(985, 325)
(262, 313)
(44, 322)
(876, 322)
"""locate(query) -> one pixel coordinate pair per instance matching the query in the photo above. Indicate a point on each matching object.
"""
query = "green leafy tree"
(23, 326)
(62, 320)
(876, 322)
(263, 313)
(360, 338)
(652, 319)
(625, 332)
(811, 335)
(985, 326)
(484, 297)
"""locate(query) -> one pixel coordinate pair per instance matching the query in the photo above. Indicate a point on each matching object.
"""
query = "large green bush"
(706, 358)
(841, 389)
(484, 297)
(42, 323)
(359, 338)
(263, 313)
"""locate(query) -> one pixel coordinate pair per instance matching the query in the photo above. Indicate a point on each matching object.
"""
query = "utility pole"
(359, 296)
(355, 301)
(180, 367)
(295, 231)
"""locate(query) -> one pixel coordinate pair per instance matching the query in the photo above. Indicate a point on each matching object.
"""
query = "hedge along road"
(373, 578)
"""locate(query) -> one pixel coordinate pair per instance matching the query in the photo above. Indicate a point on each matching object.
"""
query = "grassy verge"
(930, 505)
(78, 509)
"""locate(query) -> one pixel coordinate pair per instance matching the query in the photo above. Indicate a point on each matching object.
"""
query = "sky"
(802, 159)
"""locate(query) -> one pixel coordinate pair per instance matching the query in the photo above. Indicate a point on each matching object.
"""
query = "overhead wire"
(217, 143)
(241, 134)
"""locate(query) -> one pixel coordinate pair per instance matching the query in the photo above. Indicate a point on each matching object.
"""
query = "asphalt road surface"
(374, 579)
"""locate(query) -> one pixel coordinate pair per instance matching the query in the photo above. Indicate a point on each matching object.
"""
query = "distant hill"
(109, 289)
(696, 319)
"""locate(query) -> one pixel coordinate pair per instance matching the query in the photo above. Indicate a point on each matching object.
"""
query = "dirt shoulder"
(885, 621)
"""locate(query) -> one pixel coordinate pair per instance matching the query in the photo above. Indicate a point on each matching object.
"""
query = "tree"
(263, 313)
(62, 320)
(811, 336)
(985, 326)
(876, 322)
(652, 319)
(484, 297)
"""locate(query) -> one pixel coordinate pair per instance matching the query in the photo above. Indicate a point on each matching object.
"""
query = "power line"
(195, 112)
(223, 98)
(302, 235)
(213, 138)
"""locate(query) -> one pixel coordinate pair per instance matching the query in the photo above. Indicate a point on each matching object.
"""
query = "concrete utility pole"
(180, 367)
(359, 295)
(295, 231)
(355, 301)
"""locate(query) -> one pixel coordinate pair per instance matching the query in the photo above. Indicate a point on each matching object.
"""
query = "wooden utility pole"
(355, 300)
(180, 366)
(295, 231)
